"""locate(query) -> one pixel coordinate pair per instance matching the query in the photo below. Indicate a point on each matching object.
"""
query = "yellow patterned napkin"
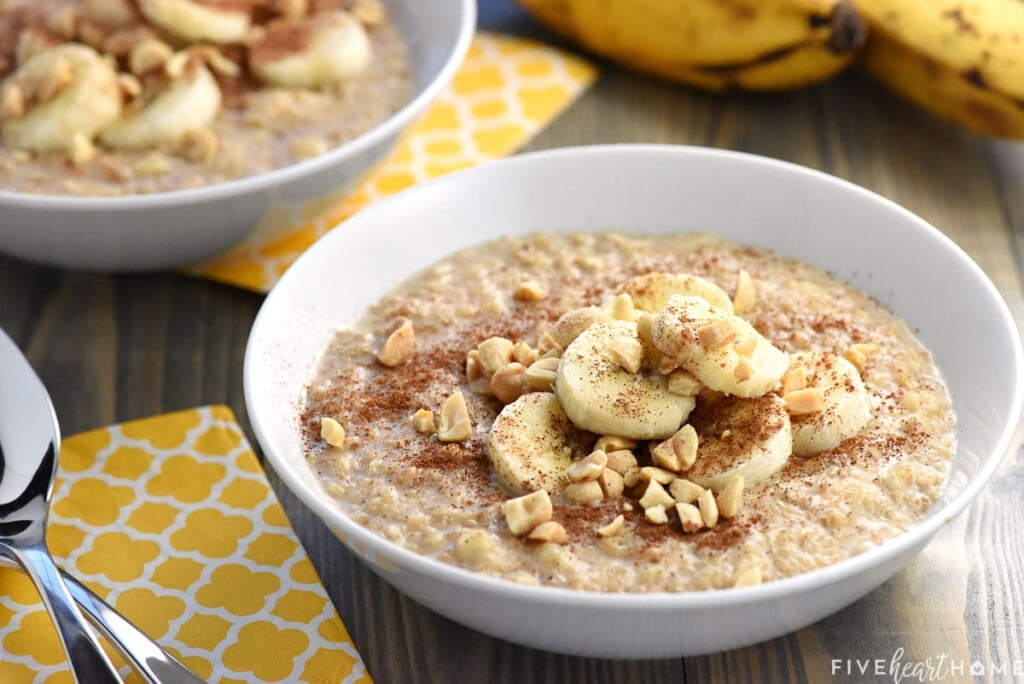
(171, 520)
(506, 91)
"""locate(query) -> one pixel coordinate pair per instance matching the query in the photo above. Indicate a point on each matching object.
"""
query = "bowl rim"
(389, 127)
(360, 539)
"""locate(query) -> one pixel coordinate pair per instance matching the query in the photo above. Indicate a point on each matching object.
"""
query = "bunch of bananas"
(962, 61)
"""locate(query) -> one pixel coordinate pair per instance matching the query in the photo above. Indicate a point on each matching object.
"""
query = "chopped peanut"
(748, 578)
(654, 474)
(656, 514)
(541, 374)
(588, 468)
(609, 443)
(524, 513)
(332, 432)
(627, 353)
(683, 383)
(794, 379)
(547, 345)
(423, 422)
(612, 483)
(455, 425)
(12, 102)
(475, 377)
(509, 382)
(743, 370)
(745, 347)
(805, 401)
(572, 323)
(399, 346)
(584, 492)
(495, 353)
(523, 353)
(685, 491)
(716, 335)
(655, 495)
(708, 508)
(678, 452)
(621, 460)
(730, 497)
(613, 527)
(529, 291)
(548, 531)
(200, 144)
(81, 149)
(622, 307)
(746, 294)
(148, 55)
(689, 517)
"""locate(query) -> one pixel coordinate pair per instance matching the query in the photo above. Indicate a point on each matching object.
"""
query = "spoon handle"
(89, 663)
(152, 662)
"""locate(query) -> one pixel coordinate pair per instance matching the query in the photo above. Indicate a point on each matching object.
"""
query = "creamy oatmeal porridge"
(116, 97)
(627, 413)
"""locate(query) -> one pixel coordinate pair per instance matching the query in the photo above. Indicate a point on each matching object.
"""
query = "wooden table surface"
(117, 347)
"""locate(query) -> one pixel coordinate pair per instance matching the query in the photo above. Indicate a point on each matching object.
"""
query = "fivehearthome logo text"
(899, 669)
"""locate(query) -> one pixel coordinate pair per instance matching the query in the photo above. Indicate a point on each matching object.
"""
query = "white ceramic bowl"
(858, 236)
(164, 230)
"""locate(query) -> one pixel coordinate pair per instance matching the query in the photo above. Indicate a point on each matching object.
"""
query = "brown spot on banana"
(849, 30)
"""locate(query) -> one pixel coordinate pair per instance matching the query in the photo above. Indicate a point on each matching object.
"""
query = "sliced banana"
(196, 21)
(602, 391)
(68, 90)
(737, 436)
(532, 443)
(651, 291)
(720, 349)
(187, 103)
(847, 406)
(330, 47)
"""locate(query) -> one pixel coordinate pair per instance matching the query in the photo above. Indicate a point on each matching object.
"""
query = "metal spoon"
(29, 443)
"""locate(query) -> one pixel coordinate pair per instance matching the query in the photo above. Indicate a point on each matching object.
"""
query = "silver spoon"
(29, 443)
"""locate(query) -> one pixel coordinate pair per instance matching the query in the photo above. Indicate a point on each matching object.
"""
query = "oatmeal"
(117, 97)
(626, 413)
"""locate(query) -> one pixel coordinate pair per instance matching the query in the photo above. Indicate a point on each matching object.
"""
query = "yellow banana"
(962, 61)
(750, 44)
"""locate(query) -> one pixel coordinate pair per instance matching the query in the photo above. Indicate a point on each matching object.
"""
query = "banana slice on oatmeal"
(173, 108)
(311, 52)
(532, 444)
(56, 95)
(602, 389)
(652, 291)
(195, 20)
(826, 399)
(720, 349)
(737, 436)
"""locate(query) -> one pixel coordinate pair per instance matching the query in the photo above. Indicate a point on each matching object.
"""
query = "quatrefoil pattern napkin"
(172, 521)
(506, 90)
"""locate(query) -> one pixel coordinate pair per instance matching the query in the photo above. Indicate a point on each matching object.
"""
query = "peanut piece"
(659, 475)
(176, 63)
(655, 495)
(746, 294)
(81, 149)
(572, 323)
(200, 145)
(332, 432)
(749, 577)
(495, 353)
(548, 531)
(610, 443)
(529, 291)
(524, 513)
(12, 102)
(689, 517)
(399, 346)
(708, 508)
(368, 12)
(683, 383)
(794, 379)
(730, 497)
(685, 491)
(656, 515)
(584, 492)
(743, 370)
(547, 345)
(423, 422)
(622, 307)
(858, 354)
(475, 377)
(613, 527)
(454, 425)
(588, 468)
(523, 353)
(716, 335)
(805, 401)
(745, 347)
(621, 460)
(509, 382)
(541, 375)
(54, 81)
(627, 353)
(130, 85)
(612, 483)
(678, 452)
